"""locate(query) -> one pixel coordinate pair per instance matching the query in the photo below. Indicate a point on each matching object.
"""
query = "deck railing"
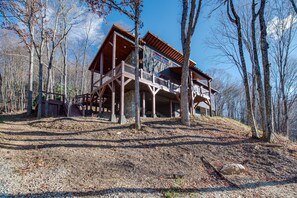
(148, 77)
(151, 78)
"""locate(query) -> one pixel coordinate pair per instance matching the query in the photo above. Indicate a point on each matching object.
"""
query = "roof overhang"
(163, 47)
(124, 44)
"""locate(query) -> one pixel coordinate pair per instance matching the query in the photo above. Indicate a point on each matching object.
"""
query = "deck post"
(101, 68)
(209, 93)
(87, 100)
(122, 119)
(112, 116)
(100, 104)
(114, 48)
(192, 96)
(154, 91)
(154, 106)
(143, 104)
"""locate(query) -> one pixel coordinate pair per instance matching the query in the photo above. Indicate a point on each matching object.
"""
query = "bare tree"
(190, 15)
(132, 9)
(20, 17)
(55, 36)
(266, 68)
(281, 29)
(235, 19)
(294, 5)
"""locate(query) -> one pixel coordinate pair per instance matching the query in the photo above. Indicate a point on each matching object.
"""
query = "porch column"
(192, 93)
(101, 67)
(113, 116)
(122, 115)
(154, 106)
(114, 46)
(209, 90)
(143, 104)
(154, 91)
(100, 104)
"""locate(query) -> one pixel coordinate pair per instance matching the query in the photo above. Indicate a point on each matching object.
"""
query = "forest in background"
(68, 41)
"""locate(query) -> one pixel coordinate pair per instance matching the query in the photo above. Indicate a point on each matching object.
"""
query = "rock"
(232, 169)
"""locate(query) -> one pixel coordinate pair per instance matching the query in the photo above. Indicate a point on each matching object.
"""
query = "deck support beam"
(113, 116)
(101, 67)
(209, 90)
(154, 91)
(114, 48)
(122, 119)
(101, 92)
(114, 45)
(192, 94)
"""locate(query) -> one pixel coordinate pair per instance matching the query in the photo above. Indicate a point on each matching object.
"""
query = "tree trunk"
(184, 91)
(250, 114)
(137, 93)
(30, 91)
(39, 113)
(47, 88)
(258, 70)
(266, 68)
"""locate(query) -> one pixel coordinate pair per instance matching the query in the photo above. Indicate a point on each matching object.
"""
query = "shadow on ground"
(111, 191)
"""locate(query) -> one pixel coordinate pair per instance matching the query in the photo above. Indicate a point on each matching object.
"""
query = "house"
(113, 79)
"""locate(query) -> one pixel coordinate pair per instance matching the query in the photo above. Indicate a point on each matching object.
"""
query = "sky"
(162, 17)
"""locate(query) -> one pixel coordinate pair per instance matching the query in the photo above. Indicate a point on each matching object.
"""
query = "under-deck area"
(114, 73)
(115, 93)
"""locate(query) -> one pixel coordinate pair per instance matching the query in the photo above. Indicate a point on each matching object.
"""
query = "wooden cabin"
(113, 79)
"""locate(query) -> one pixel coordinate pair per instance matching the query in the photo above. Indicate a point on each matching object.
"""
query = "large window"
(161, 58)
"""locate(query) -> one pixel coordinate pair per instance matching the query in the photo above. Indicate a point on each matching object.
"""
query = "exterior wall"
(129, 104)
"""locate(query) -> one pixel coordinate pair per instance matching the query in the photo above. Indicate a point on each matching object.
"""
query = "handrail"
(125, 67)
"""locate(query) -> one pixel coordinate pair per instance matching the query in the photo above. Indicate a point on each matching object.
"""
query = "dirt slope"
(87, 157)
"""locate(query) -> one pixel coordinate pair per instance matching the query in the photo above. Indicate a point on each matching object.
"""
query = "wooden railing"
(62, 98)
(199, 90)
(150, 78)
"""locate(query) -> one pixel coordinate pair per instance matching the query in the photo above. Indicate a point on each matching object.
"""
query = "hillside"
(65, 157)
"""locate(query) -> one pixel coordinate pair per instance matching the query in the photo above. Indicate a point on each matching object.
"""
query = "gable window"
(175, 64)
(161, 58)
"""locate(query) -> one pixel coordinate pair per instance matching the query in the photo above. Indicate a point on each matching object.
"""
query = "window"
(161, 58)
(175, 64)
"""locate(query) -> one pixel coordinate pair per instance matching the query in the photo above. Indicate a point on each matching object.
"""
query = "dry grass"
(90, 157)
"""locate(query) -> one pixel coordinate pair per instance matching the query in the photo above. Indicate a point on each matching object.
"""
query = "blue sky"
(162, 17)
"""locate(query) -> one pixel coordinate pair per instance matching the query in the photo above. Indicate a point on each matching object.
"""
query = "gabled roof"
(149, 39)
(157, 43)
(120, 30)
